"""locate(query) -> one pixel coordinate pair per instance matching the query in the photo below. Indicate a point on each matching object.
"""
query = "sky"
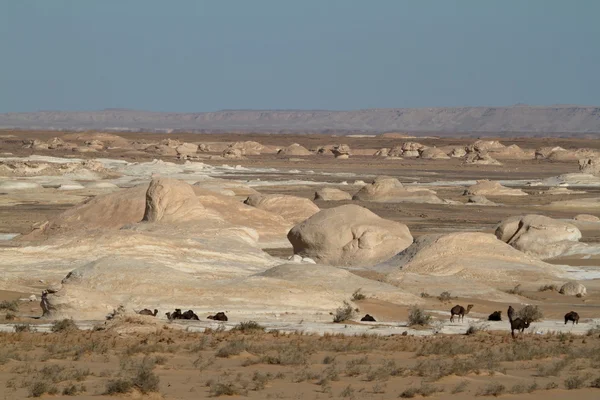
(196, 56)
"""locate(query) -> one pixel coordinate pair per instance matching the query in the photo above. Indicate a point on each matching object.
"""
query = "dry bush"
(595, 383)
(291, 355)
(544, 288)
(73, 390)
(40, 388)
(424, 390)
(328, 360)
(348, 392)
(23, 328)
(304, 375)
(460, 387)
(118, 386)
(492, 389)
(425, 295)
(145, 380)
(530, 313)
(389, 368)
(344, 313)
(231, 349)
(416, 316)
(9, 305)
(574, 382)
(248, 327)
(10, 316)
(445, 297)
(516, 290)
(65, 325)
(449, 346)
(474, 328)
(553, 369)
(217, 389)
(358, 295)
(522, 388)
(379, 388)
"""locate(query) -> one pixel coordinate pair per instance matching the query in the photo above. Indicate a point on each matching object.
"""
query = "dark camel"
(518, 325)
(495, 316)
(368, 318)
(220, 316)
(510, 313)
(189, 314)
(460, 311)
(572, 316)
(145, 311)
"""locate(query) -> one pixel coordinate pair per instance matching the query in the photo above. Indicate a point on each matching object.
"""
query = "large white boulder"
(332, 194)
(348, 235)
(292, 208)
(573, 289)
(390, 190)
(538, 235)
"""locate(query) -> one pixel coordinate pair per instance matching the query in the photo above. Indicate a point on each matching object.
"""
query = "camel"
(368, 318)
(220, 316)
(460, 311)
(572, 316)
(189, 314)
(145, 311)
(510, 313)
(176, 315)
(518, 324)
(495, 316)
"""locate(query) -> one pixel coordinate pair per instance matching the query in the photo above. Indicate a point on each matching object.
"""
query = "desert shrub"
(117, 386)
(73, 390)
(9, 305)
(65, 325)
(594, 331)
(10, 316)
(23, 328)
(223, 389)
(231, 349)
(425, 295)
(328, 359)
(545, 288)
(530, 313)
(416, 316)
(347, 392)
(39, 388)
(595, 383)
(460, 387)
(389, 368)
(291, 355)
(551, 385)
(145, 380)
(424, 390)
(516, 290)
(445, 297)
(574, 382)
(344, 313)
(248, 327)
(379, 388)
(492, 389)
(474, 328)
(553, 369)
(358, 295)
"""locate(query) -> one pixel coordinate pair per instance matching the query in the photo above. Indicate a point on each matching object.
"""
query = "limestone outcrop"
(390, 190)
(332, 194)
(348, 235)
(292, 208)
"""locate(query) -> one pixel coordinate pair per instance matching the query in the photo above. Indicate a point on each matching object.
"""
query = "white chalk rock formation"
(332, 194)
(341, 151)
(294, 150)
(538, 235)
(292, 208)
(232, 153)
(481, 159)
(573, 289)
(590, 166)
(390, 190)
(431, 153)
(248, 148)
(348, 235)
(170, 200)
(492, 188)
(186, 149)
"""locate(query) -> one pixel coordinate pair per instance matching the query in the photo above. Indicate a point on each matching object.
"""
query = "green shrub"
(416, 316)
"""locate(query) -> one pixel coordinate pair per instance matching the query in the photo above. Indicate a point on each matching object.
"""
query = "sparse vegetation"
(249, 327)
(474, 328)
(445, 297)
(358, 295)
(64, 325)
(546, 288)
(118, 386)
(530, 313)
(515, 290)
(460, 387)
(23, 328)
(416, 316)
(574, 382)
(344, 313)
(40, 388)
(425, 295)
(9, 305)
(492, 389)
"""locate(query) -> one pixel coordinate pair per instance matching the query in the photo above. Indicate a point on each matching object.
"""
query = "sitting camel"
(220, 316)
(145, 311)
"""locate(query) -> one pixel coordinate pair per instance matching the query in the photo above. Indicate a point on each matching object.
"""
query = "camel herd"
(189, 315)
(516, 324)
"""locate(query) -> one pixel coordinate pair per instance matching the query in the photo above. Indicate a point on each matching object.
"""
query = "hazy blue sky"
(304, 54)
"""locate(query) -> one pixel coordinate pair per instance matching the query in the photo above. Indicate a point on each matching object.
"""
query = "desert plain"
(286, 233)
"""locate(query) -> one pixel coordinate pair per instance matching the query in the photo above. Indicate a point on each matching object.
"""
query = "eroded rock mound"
(292, 208)
(487, 145)
(492, 188)
(538, 235)
(481, 159)
(458, 152)
(383, 152)
(248, 148)
(171, 200)
(186, 149)
(332, 194)
(348, 235)
(590, 166)
(231, 153)
(481, 201)
(390, 190)
(573, 289)
(475, 256)
(431, 153)
(586, 218)
(341, 151)
(294, 150)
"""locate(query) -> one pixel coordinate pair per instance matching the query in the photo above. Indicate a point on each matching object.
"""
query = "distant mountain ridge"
(518, 118)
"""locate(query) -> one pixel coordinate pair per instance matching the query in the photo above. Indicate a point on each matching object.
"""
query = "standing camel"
(572, 316)
(460, 311)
